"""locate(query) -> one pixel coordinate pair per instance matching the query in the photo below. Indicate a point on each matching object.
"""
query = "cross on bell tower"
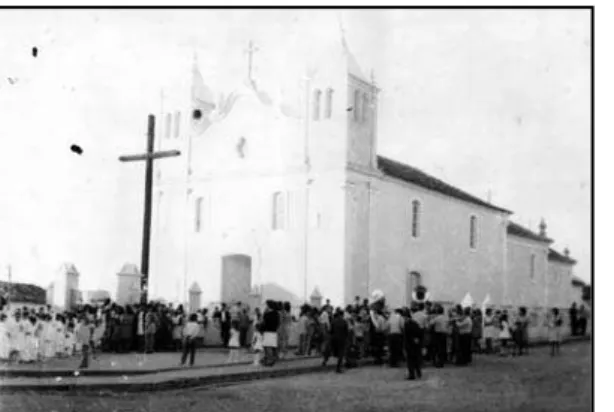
(251, 49)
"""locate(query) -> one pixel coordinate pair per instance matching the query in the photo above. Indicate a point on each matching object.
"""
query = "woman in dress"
(490, 333)
(270, 324)
(284, 328)
(554, 323)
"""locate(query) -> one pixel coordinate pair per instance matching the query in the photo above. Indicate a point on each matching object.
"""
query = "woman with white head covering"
(378, 317)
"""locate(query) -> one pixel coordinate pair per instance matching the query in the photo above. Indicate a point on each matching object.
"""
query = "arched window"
(167, 125)
(177, 124)
(279, 211)
(328, 109)
(532, 267)
(198, 214)
(365, 107)
(473, 232)
(415, 219)
(317, 94)
(357, 105)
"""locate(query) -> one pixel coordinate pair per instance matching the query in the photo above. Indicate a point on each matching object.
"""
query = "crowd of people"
(366, 328)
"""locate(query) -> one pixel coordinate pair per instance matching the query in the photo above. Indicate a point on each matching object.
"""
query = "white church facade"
(290, 198)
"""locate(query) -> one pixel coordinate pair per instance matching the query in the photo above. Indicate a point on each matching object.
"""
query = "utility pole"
(149, 158)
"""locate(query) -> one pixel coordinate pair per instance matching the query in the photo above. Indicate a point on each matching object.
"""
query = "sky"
(487, 100)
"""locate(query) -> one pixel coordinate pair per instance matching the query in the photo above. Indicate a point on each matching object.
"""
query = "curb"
(173, 383)
(66, 373)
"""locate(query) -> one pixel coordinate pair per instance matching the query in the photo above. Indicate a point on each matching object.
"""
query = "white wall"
(441, 254)
(522, 289)
(560, 289)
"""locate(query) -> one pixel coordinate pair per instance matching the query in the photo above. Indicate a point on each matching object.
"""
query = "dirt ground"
(530, 383)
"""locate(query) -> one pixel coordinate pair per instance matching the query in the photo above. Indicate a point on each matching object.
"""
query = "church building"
(287, 198)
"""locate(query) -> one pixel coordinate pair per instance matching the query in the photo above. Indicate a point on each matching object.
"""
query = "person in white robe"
(59, 336)
(5, 340)
(70, 341)
(16, 330)
(47, 339)
(28, 352)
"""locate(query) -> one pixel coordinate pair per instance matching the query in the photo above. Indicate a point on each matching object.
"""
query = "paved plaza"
(535, 382)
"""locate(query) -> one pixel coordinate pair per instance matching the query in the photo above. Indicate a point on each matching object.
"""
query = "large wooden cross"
(148, 157)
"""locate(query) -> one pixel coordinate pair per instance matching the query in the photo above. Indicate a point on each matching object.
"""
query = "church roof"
(418, 177)
(558, 257)
(23, 293)
(521, 231)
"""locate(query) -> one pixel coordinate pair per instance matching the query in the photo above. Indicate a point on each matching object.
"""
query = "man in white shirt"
(395, 337)
(190, 332)
(420, 316)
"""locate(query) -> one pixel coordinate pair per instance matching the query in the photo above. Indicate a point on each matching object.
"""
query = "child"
(504, 334)
(234, 343)
(257, 346)
(554, 332)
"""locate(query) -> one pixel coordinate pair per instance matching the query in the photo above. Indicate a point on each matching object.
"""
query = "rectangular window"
(167, 125)
(177, 124)
(279, 211)
(328, 110)
(473, 232)
(317, 94)
(365, 107)
(415, 219)
(198, 215)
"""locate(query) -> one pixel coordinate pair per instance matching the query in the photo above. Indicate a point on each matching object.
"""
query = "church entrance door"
(236, 278)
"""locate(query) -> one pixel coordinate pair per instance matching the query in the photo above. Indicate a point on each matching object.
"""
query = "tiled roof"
(23, 293)
(520, 231)
(412, 175)
(554, 255)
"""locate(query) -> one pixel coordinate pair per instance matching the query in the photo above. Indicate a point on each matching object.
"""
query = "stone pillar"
(316, 298)
(65, 287)
(195, 292)
(128, 285)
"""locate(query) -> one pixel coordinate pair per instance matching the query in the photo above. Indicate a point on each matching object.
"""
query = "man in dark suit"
(413, 336)
(339, 333)
(225, 325)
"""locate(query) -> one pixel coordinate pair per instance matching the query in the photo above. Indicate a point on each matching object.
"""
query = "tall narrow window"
(328, 111)
(532, 268)
(317, 95)
(177, 124)
(415, 219)
(365, 107)
(198, 212)
(473, 232)
(167, 125)
(279, 211)
(357, 105)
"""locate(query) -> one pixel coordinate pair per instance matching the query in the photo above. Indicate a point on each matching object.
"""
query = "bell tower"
(362, 120)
